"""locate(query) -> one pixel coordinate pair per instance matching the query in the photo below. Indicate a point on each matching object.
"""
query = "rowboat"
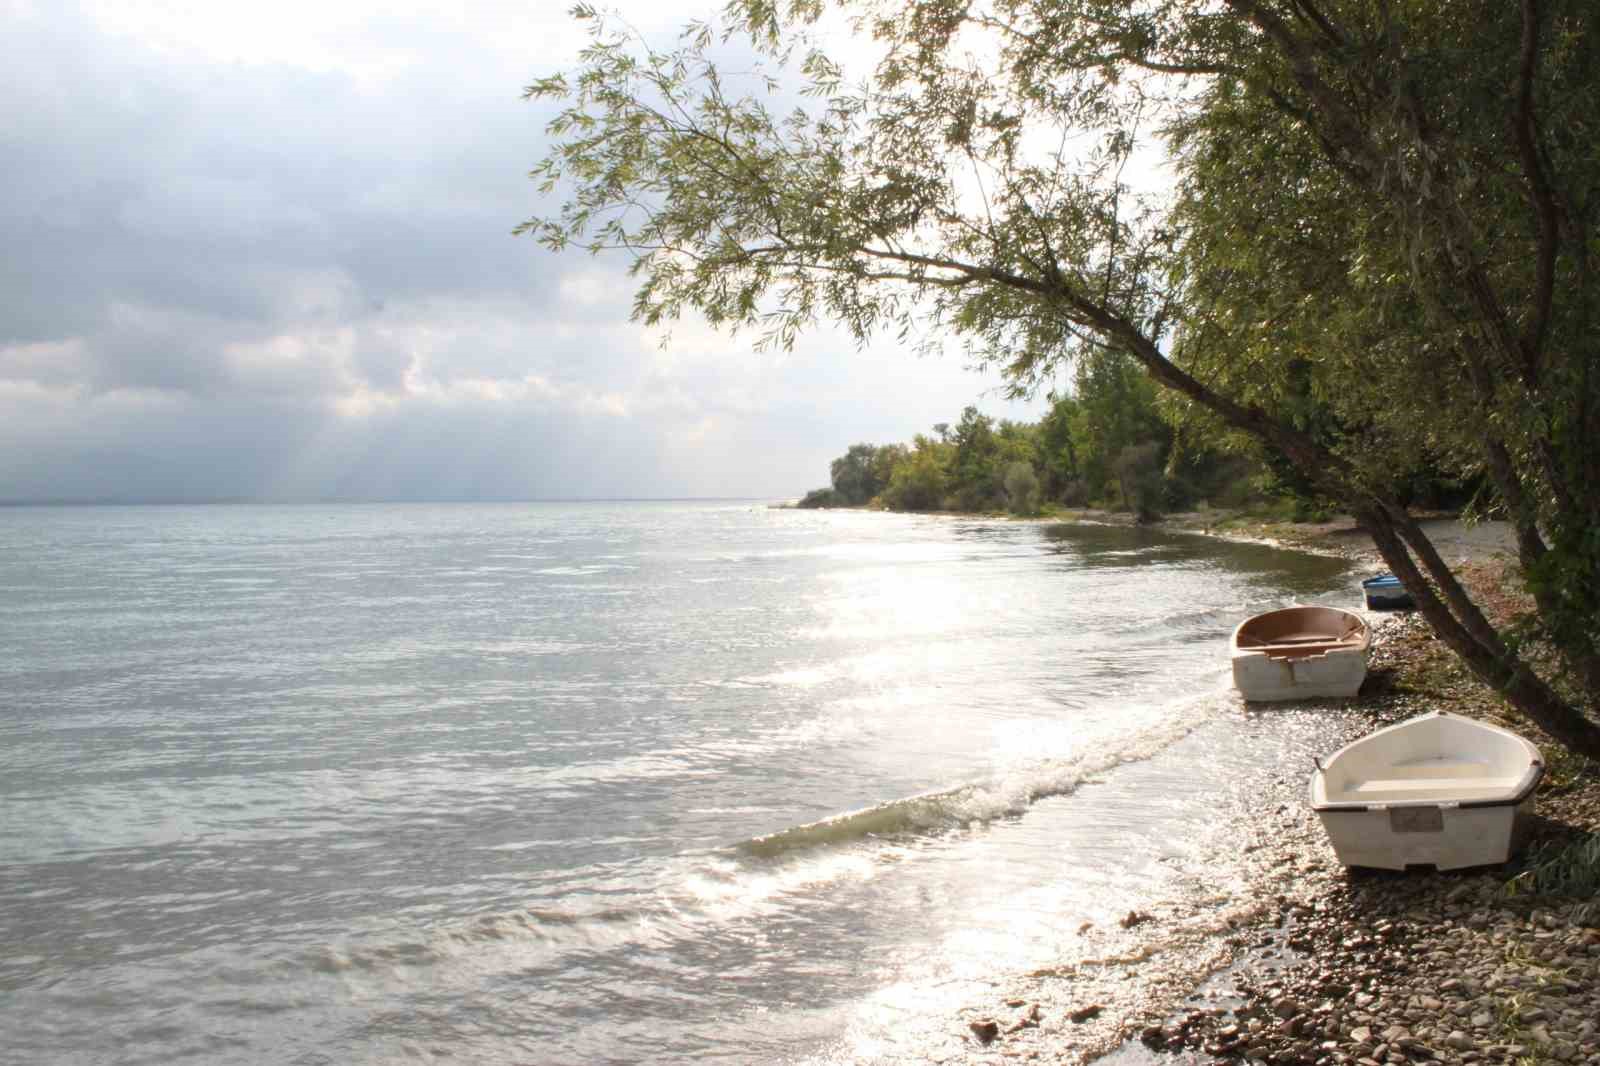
(1300, 653)
(1385, 593)
(1438, 790)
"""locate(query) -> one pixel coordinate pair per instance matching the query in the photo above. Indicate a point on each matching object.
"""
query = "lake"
(593, 782)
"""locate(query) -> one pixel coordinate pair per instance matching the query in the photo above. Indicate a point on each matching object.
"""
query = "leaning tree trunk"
(1402, 543)
(1489, 659)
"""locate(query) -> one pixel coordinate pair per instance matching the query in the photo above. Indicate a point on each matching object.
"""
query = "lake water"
(583, 783)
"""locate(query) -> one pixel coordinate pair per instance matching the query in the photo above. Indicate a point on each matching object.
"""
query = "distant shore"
(1458, 541)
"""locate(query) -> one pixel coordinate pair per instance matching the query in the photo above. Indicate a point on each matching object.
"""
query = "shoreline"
(1337, 967)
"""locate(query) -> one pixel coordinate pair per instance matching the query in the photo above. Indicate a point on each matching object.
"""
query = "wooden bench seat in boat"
(1298, 645)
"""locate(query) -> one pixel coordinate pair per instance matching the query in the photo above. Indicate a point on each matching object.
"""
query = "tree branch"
(1544, 201)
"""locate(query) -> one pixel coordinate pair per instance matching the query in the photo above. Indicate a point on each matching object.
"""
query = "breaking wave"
(977, 803)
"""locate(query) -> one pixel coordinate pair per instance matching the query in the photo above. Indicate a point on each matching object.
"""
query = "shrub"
(1138, 469)
(1022, 488)
(821, 498)
(918, 484)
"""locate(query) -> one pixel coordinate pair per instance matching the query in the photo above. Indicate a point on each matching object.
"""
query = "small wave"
(467, 939)
(930, 811)
(337, 960)
(978, 803)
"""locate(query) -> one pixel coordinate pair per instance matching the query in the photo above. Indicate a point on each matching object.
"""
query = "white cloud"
(265, 250)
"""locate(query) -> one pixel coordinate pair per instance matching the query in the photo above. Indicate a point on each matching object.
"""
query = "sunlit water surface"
(558, 783)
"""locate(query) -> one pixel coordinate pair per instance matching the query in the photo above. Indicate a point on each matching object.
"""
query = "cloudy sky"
(263, 250)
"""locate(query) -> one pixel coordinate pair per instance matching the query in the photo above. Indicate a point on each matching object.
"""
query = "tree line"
(1103, 445)
(1378, 249)
(1107, 443)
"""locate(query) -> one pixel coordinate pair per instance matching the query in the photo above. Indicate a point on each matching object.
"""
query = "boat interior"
(1439, 760)
(1297, 632)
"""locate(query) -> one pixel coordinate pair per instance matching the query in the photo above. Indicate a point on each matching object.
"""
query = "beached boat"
(1385, 593)
(1439, 790)
(1299, 653)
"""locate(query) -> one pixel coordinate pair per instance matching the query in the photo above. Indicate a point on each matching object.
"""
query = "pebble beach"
(1317, 965)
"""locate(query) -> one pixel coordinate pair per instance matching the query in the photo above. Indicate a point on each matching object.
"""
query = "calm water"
(587, 783)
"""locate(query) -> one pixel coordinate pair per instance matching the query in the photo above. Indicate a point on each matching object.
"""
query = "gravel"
(1338, 967)
(1372, 967)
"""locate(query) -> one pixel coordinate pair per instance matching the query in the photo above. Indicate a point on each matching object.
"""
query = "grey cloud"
(286, 449)
(180, 187)
(258, 280)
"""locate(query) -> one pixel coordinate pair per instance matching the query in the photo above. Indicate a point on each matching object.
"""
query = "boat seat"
(1439, 766)
(1292, 645)
(1403, 788)
(1300, 651)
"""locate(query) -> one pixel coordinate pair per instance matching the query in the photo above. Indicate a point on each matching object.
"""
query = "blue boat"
(1386, 593)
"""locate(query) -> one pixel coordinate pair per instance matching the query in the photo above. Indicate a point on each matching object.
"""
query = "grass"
(1564, 769)
(1561, 868)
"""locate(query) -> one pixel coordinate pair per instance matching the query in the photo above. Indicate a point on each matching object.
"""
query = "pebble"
(985, 1029)
(1419, 969)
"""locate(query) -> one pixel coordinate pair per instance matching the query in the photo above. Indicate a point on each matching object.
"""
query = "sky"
(264, 251)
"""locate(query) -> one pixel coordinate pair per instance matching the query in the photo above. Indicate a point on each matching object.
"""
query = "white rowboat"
(1300, 653)
(1438, 790)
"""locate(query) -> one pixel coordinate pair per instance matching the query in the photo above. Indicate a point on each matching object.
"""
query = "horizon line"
(302, 501)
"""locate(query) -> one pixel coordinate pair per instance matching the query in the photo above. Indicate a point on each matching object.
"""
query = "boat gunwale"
(1525, 785)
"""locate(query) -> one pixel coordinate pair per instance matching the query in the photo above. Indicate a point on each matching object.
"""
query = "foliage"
(974, 474)
(1022, 488)
(1378, 255)
(920, 482)
(859, 475)
(1561, 868)
(979, 465)
(1138, 470)
(818, 498)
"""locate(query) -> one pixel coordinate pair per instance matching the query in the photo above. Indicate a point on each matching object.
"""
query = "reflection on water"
(591, 783)
(1096, 545)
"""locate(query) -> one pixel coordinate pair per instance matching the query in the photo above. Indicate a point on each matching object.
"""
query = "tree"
(1116, 412)
(975, 473)
(1138, 471)
(921, 482)
(1058, 454)
(1435, 161)
(1022, 488)
(858, 476)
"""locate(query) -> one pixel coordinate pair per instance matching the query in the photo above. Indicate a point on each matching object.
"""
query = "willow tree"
(1388, 203)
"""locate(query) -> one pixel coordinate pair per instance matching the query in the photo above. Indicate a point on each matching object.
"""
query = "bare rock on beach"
(987, 1030)
(1028, 1019)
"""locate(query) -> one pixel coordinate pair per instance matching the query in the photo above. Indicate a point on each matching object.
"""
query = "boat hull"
(1386, 593)
(1438, 790)
(1300, 653)
(1462, 837)
(1332, 675)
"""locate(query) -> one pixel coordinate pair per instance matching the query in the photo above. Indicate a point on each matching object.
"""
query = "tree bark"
(1501, 670)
